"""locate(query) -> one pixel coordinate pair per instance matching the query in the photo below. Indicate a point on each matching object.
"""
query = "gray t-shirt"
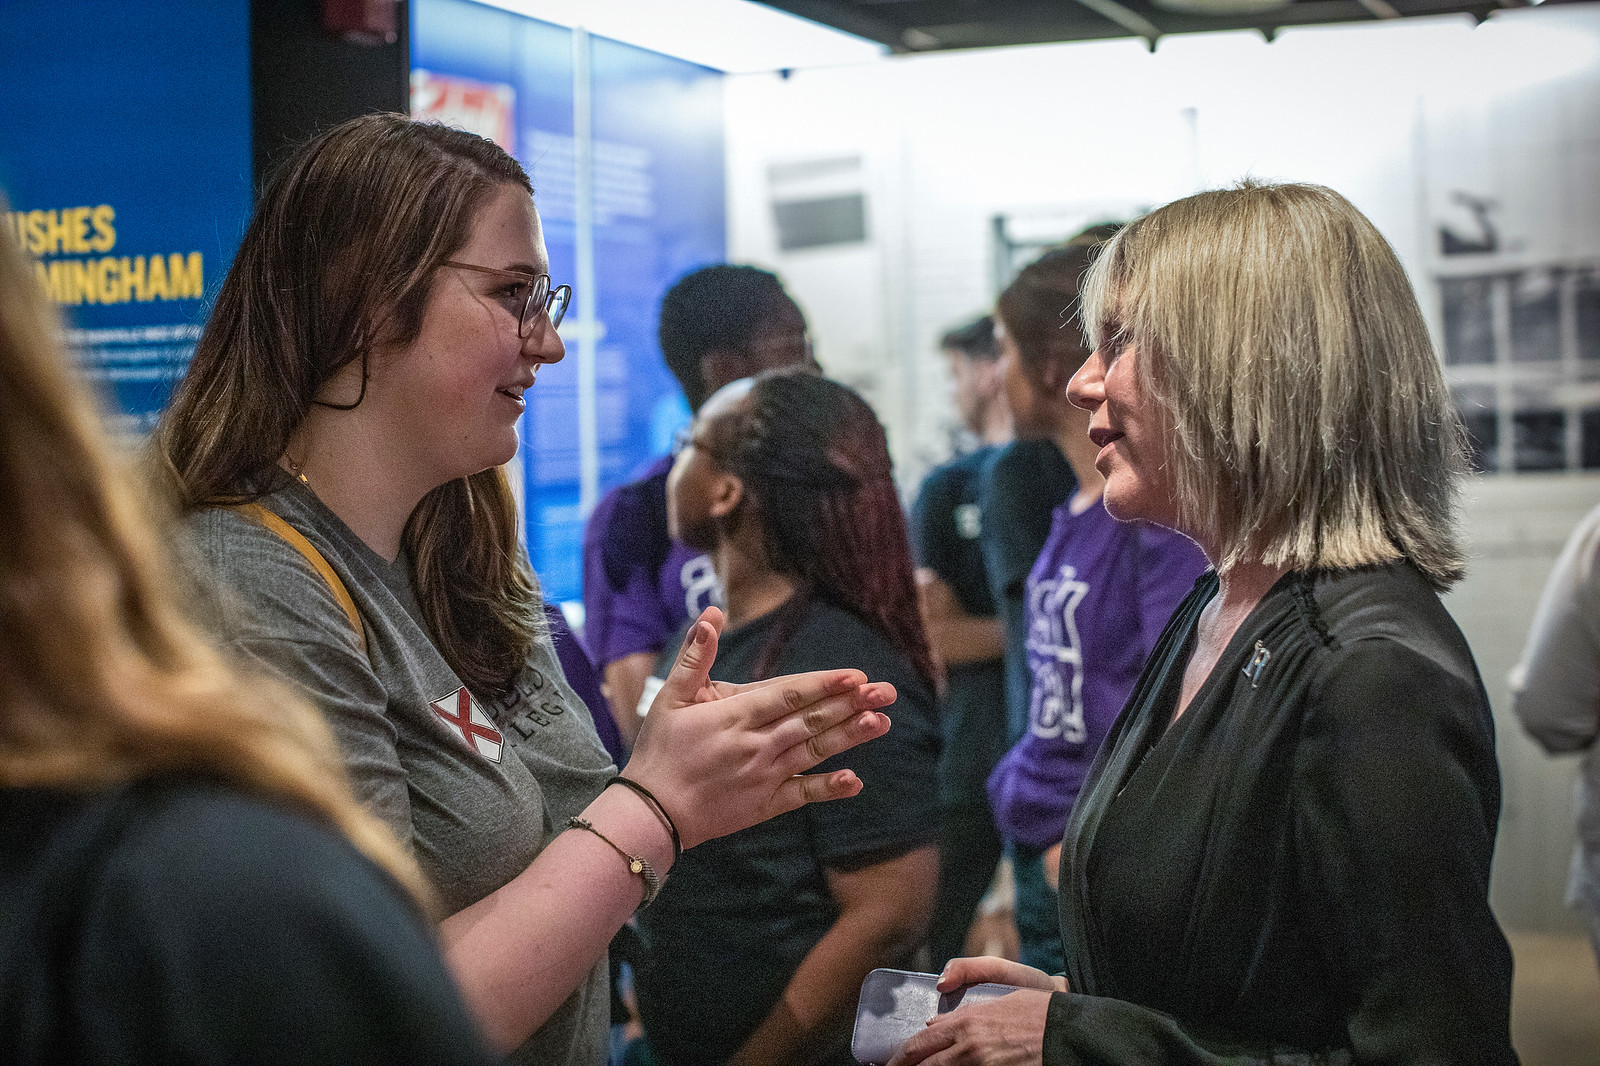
(476, 787)
(1555, 690)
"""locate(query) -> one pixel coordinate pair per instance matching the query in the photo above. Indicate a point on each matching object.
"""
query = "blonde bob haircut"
(1310, 422)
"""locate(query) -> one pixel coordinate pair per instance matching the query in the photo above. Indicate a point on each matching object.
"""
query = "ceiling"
(932, 25)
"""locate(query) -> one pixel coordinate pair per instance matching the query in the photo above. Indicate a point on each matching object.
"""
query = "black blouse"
(1298, 869)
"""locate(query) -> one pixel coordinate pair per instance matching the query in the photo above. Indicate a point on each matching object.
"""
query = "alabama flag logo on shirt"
(469, 723)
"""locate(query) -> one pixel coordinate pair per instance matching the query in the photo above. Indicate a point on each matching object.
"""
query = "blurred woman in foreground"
(184, 874)
(1282, 853)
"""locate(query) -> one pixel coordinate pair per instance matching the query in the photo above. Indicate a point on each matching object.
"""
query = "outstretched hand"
(723, 757)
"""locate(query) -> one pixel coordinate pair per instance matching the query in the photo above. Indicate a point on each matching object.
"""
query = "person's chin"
(1122, 503)
(508, 447)
(499, 457)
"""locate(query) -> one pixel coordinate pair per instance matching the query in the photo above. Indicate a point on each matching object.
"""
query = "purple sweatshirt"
(1097, 599)
(639, 586)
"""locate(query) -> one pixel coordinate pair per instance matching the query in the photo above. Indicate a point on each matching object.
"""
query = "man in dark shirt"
(965, 634)
(718, 324)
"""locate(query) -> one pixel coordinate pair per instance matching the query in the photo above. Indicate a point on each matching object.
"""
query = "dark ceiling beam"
(846, 17)
(1127, 18)
(930, 25)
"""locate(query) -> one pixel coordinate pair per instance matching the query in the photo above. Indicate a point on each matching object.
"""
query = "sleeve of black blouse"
(1084, 1030)
(1396, 800)
(229, 932)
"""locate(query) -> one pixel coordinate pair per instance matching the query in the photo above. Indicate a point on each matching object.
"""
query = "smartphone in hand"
(896, 1004)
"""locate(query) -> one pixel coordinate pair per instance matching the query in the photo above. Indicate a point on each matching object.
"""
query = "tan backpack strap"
(299, 543)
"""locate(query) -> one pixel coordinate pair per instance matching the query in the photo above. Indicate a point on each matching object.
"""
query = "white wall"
(1395, 116)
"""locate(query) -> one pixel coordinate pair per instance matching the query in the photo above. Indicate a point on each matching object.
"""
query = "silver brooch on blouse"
(1257, 663)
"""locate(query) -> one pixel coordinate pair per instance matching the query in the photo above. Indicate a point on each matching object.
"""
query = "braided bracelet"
(636, 863)
(661, 812)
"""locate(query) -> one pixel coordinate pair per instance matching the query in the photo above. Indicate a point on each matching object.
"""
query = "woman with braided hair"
(756, 948)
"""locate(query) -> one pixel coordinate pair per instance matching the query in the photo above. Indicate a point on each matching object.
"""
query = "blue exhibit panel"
(660, 211)
(657, 147)
(128, 169)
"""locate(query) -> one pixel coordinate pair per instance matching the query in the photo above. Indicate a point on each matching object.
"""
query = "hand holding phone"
(896, 1004)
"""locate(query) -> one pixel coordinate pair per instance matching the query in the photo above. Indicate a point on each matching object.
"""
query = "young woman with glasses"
(337, 443)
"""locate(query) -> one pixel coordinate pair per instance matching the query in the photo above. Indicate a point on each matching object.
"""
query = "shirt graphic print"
(1057, 699)
(700, 588)
(466, 720)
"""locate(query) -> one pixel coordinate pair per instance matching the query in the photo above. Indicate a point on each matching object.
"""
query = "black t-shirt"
(738, 914)
(946, 523)
(1018, 490)
(946, 526)
(173, 921)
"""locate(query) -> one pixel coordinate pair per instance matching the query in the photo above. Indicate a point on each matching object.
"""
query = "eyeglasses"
(529, 297)
(685, 438)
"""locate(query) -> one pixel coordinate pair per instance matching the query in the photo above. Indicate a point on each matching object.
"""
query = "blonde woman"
(360, 381)
(184, 874)
(1282, 853)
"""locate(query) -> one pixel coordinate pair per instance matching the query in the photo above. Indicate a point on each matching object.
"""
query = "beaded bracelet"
(661, 812)
(636, 863)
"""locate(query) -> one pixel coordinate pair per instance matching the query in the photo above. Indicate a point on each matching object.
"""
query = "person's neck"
(750, 587)
(373, 489)
(1239, 589)
(994, 425)
(1072, 437)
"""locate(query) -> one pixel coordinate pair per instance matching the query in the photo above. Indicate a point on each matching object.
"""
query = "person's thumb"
(691, 673)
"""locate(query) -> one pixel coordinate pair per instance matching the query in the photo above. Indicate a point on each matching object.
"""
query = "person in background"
(1097, 599)
(1019, 491)
(1282, 852)
(977, 384)
(756, 950)
(338, 446)
(640, 587)
(1555, 691)
(184, 873)
(965, 636)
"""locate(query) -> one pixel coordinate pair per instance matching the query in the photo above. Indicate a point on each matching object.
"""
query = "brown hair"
(1311, 422)
(339, 257)
(1040, 306)
(103, 678)
(815, 460)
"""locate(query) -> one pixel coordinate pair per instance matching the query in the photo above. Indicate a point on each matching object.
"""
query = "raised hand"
(723, 757)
